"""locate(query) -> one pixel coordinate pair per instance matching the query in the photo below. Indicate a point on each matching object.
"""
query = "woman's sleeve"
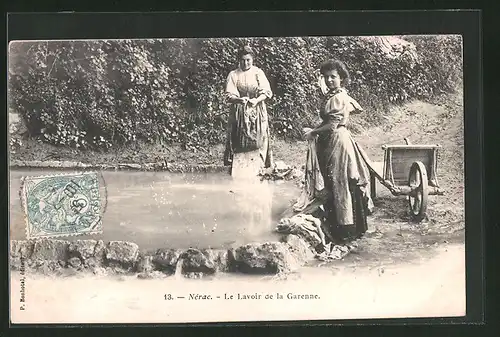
(335, 103)
(355, 106)
(264, 85)
(231, 89)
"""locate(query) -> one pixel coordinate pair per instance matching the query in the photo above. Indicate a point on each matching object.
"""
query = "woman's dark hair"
(246, 50)
(336, 65)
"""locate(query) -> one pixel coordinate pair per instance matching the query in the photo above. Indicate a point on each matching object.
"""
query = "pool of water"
(159, 209)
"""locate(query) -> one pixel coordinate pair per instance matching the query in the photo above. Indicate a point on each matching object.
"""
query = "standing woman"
(340, 159)
(247, 88)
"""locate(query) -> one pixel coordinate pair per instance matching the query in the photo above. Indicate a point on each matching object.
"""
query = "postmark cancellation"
(62, 205)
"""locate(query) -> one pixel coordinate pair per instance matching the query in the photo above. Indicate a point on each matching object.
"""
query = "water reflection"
(253, 198)
(157, 209)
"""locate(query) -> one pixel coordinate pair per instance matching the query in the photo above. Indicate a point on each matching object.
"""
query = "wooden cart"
(409, 170)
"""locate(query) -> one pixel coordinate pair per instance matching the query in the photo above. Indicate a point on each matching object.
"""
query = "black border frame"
(215, 24)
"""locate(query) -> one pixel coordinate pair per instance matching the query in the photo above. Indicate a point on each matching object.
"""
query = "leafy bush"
(441, 60)
(100, 94)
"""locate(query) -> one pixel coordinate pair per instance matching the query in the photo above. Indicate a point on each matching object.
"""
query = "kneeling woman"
(340, 159)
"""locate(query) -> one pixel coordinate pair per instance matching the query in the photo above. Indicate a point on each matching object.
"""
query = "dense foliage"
(99, 94)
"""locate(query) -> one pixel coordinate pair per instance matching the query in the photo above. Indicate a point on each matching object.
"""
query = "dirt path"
(391, 236)
(422, 123)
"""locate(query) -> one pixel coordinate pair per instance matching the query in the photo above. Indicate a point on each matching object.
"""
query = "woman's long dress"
(345, 173)
(248, 128)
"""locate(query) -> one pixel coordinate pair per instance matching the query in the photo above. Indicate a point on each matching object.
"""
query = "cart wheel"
(417, 200)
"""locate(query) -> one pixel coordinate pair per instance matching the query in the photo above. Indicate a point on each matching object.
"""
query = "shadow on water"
(160, 209)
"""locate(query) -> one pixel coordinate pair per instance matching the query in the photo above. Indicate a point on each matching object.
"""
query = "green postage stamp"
(62, 205)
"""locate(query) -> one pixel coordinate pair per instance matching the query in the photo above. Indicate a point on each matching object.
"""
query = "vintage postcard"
(185, 180)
